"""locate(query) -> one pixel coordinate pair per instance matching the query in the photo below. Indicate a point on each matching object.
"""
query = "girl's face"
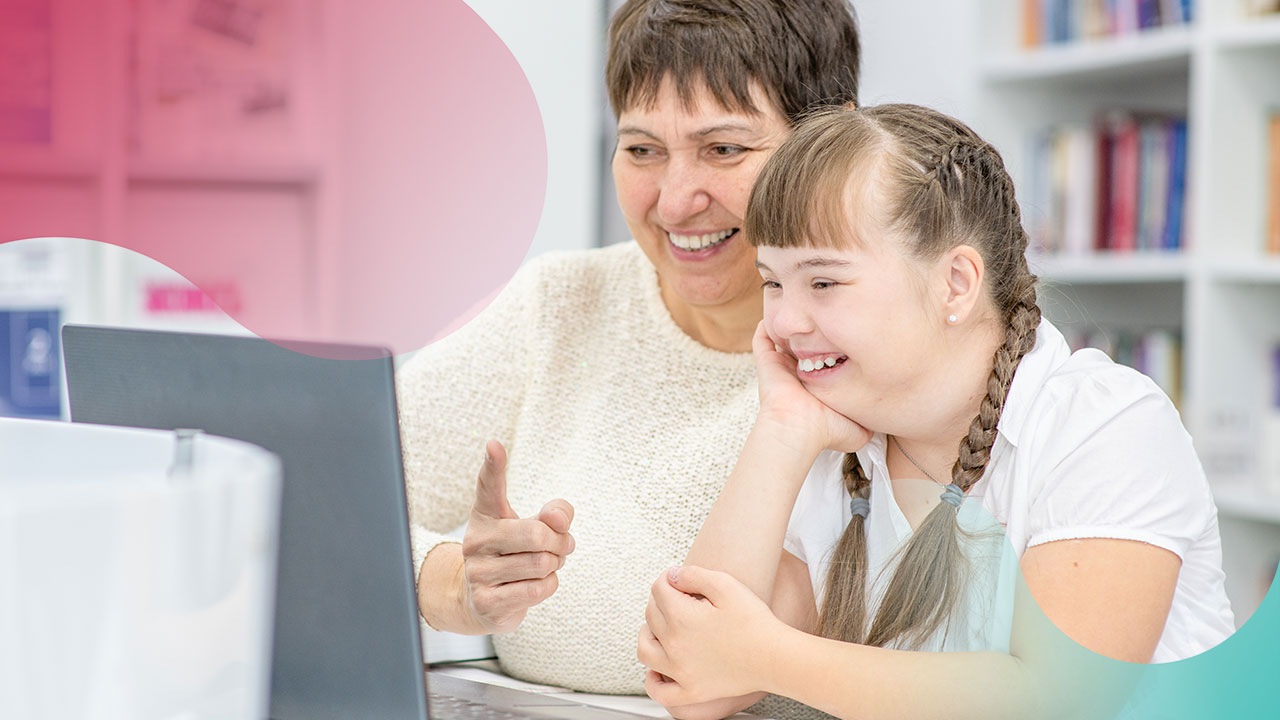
(862, 322)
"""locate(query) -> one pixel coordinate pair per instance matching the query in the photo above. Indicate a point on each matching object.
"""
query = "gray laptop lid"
(346, 638)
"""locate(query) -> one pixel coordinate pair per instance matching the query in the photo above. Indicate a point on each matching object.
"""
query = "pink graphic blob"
(358, 171)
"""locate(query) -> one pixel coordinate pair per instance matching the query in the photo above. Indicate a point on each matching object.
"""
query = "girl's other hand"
(706, 637)
(796, 416)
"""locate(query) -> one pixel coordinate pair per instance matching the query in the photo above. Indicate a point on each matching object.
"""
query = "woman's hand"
(706, 637)
(796, 416)
(509, 564)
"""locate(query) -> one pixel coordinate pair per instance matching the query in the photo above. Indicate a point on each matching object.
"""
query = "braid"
(944, 186)
(844, 607)
(1019, 338)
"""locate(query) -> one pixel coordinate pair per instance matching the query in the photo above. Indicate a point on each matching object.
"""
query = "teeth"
(808, 365)
(698, 242)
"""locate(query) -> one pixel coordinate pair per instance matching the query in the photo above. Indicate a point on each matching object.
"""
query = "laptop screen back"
(346, 624)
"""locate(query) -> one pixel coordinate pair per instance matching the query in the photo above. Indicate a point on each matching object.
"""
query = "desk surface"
(487, 671)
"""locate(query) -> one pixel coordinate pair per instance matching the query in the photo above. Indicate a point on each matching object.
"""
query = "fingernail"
(674, 574)
(488, 457)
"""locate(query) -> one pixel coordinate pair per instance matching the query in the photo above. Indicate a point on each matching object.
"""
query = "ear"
(963, 270)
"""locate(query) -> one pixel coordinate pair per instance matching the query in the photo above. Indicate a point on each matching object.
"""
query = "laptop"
(346, 636)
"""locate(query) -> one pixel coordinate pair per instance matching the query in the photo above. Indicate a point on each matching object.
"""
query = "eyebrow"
(814, 262)
(723, 127)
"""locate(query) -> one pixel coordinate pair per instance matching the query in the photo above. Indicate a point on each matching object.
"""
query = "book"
(1125, 176)
(1032, 24)
(1078, 225)
(1148, 12)
(1259, 7)
(1175, 205)
(1153, 191)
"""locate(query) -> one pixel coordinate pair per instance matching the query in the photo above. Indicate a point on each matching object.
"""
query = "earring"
(953, 319)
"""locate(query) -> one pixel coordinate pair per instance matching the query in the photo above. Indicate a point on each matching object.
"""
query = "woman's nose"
(685, 193)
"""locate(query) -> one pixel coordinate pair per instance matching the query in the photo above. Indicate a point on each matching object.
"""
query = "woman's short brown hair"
(802, 53)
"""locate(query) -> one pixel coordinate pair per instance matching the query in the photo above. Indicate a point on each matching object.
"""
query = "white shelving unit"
(1221, 292)
(98, 177)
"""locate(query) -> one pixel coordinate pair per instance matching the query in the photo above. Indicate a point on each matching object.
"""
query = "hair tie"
(953, 494)
(860, 506)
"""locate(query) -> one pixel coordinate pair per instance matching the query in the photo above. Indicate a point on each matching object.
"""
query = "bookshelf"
(95, 168)
(1220, 290)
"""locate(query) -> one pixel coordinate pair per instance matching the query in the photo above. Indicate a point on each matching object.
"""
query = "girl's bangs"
(807, 190)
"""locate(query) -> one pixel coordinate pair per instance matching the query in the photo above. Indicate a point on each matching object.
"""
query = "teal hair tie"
(860, 506)
(953, 494)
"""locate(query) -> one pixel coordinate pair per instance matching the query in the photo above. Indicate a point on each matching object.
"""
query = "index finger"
(557, 515)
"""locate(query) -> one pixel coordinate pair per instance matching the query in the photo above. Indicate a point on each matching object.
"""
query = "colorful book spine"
(1125, 176)
(1176, 203)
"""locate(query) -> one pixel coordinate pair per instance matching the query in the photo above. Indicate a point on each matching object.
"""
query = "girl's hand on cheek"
(791, 410)
(706, 637)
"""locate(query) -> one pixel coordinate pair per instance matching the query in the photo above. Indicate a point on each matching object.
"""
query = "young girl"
(912, 400)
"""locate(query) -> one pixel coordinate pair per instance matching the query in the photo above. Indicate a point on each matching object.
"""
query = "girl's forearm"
(858, 681)
(744, 532)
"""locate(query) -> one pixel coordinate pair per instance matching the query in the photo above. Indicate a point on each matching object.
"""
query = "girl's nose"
(786, 319)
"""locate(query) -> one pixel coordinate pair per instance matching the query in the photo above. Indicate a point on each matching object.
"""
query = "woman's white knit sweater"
(600, 399)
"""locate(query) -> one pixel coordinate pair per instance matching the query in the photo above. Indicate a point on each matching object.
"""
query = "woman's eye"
(822, 284)
(727, 151)
(770, 285)
(641, 152)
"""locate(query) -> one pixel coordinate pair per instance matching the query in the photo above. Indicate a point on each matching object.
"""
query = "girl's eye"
(770, 285)
(822, 284)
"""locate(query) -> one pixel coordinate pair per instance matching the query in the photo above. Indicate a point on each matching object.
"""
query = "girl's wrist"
(789, 436)
(770, 666)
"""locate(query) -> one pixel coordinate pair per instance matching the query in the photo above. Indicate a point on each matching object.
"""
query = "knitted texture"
(600, 398)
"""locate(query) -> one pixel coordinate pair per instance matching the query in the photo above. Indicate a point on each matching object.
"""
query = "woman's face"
(683, 177)
(869, 309)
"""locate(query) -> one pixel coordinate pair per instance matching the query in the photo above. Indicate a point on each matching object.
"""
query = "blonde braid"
(844, 610)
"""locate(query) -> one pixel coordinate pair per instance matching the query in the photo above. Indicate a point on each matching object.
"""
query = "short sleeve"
(1114, 461)
(817, 518)
(453, 396)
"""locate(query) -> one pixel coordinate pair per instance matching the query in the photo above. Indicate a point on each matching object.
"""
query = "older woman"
(619, 380)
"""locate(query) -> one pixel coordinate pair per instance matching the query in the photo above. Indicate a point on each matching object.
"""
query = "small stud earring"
(953, 319)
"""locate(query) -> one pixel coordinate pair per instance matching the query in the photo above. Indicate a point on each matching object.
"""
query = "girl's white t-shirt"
(1086, 449)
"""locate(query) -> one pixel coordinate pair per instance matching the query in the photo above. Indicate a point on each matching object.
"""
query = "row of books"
(1273, 183)
(1255, 8)
(1063, 21)
(1120, 185)
(1154, 353)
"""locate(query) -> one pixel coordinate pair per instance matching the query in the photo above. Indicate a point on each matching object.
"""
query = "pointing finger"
(491, 485)
(558, 515)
